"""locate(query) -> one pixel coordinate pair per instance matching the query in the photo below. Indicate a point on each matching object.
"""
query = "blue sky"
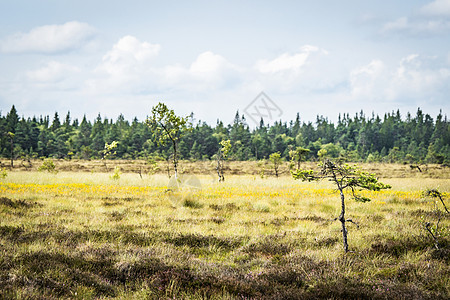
(214, 57)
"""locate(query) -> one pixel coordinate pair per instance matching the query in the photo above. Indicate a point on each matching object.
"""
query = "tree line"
(358, 138)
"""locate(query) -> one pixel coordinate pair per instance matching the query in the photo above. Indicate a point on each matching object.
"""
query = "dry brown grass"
(256, 168)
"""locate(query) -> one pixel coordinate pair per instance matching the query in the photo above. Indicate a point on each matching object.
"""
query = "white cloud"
(126, 68)
(399, 24)
(49, 39)
(286, 61)
(432, 19)
(53, 72)
(295, 72)
(211, 70)
(420, 27)
(415, 77)
(437, 8)
(209, 63)
(365, 80)
(128, 54)
(129, 68)
(418, 77)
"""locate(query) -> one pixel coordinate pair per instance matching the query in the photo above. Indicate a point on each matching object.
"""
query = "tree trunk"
(220, 166)
(175, 160)
(442, 201)
(168, 167)
(342, 220)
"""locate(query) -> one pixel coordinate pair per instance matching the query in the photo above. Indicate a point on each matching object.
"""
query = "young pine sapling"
(434, 193)
(434, 231)
(221, 156)
(275, 159)
(109, 151)
(298, 155)
(343, 177)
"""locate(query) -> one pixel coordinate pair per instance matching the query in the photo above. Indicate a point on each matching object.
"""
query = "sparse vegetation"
(78, 235)
(344, 177)
(275, 159)
(298, 155)
(116, 175)
(434, 193)
(109, 151)
(168, 127)
(48, 165)
(222, 154)
(82, 235)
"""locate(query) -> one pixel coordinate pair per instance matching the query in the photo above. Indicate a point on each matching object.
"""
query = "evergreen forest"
(417, 138)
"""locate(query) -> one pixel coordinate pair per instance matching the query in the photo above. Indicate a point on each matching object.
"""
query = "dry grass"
(255, 168)
(84, 235)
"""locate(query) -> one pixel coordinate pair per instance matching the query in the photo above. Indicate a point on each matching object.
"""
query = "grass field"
(84, 235)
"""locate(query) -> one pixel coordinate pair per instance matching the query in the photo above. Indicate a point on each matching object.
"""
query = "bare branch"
(351, 221)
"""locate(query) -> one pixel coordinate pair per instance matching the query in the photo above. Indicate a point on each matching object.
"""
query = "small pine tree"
(275, 158)
(221, 156)
(344, 177)
(116, 175)
(48, 165)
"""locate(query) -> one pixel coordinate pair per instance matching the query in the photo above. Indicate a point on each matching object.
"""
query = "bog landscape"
(173, 209)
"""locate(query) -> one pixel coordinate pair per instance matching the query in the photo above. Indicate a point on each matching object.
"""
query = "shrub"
(48, 165)
(116, 175)
(3, 173)
(192, 203)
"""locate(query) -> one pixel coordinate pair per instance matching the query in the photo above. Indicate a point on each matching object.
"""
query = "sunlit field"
(86, 235)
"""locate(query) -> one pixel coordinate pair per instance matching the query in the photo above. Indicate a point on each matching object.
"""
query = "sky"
(270, 59)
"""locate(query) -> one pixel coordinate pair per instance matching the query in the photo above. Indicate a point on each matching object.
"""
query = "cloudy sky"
(215, 57)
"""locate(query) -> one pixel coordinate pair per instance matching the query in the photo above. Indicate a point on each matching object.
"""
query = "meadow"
(81, 234)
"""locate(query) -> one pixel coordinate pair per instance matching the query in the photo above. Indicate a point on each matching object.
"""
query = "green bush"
(48, 165)
(116, 175)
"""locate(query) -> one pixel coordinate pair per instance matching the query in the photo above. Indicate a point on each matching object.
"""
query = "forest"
(392, 138)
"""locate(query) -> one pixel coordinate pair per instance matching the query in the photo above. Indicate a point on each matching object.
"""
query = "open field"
(81, 234)
(383, 170)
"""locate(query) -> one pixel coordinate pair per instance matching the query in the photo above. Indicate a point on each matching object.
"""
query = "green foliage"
(330, 150)
(413, 139)
(304, 175)
(226, 147)
(192, 203)
(48, 165)
(322, 153)
(3, 173)
(344, 176)
(153, 165)
(275, 159)
(117, 173)
(10, 135)
(165, 125)
(434, 193)
(298, 155)
(262, 168)
(109, 150)
(221, 156)
(350, 176)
